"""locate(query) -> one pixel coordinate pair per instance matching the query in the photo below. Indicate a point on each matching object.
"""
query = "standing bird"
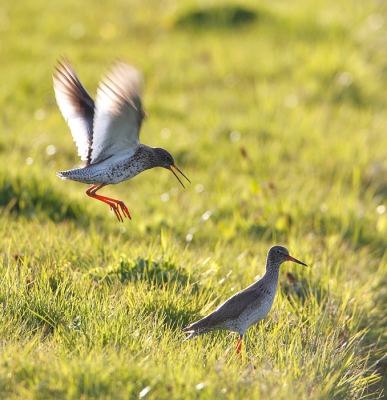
(248, 306)
(107, 132)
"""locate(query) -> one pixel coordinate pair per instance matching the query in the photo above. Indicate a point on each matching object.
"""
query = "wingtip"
(63, 60)
(123, 70)
(63, 64)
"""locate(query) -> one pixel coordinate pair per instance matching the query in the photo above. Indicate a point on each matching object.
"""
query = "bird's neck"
(146, 156)
(271, 274)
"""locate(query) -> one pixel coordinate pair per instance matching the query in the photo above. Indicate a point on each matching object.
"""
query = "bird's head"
(165, 160)
(279, 254)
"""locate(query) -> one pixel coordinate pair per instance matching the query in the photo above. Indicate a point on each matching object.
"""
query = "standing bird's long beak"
(290, 258)
(174, 173)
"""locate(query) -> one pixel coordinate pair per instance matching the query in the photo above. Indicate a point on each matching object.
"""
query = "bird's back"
(240, 311)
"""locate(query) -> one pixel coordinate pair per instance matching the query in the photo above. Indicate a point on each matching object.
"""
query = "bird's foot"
(124, 209)
(118, 208)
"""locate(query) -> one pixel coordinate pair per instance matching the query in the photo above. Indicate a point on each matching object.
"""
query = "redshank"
(248, 306)
(107, 132)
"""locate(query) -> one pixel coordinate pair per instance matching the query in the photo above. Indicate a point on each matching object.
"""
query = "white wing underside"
(118, 113)
(77, 127)
(76, 106)
(111, 125)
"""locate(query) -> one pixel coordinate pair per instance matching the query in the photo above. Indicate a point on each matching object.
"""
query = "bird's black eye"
(277, 251)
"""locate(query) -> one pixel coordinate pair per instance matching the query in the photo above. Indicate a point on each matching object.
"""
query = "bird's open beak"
(290, 258)
(174, 173)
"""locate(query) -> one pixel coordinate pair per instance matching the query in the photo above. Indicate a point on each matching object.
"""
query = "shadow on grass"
(159, 273)
(174, 317)
(377, 319)
(225, 17)
(162, 274)
(30, 195)
(336, 93)
(352, 230)
(300, 291)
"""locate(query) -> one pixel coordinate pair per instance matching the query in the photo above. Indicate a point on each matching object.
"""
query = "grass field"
(276, 111)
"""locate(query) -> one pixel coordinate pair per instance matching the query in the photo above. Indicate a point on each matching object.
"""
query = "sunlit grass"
(279, 122)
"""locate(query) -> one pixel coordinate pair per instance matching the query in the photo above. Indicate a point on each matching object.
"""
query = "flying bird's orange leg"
(115, 205)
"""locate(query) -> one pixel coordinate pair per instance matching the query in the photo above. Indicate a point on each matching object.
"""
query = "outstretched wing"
(77, 108)
(118, 114)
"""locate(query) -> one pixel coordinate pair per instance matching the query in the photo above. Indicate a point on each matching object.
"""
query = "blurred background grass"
(276, 112)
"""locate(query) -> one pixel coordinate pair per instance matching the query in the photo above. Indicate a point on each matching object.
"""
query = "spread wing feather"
(118, 113)
(77, 108)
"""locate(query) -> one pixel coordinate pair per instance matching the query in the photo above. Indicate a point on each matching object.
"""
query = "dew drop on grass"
(164, 197)
(165, 133)
(344, 78)
(291, 101)
(324, 17)
(29, 161)
(4, 21)
(242, 255)
(380, 209)
(235, 136)
(144, 392)
(77, 31)
(174, 191)
(375, 21)
(40, 114)
(199, 188)
(50, 150)
(168, 6)
(189, 237)
(206, 215)
(200, 386)
(206, 261)
(193, 138)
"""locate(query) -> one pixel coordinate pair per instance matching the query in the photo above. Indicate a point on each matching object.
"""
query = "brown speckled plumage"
(107, 132)
(248, 306)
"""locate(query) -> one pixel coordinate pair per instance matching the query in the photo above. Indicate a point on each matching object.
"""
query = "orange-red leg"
(239, 344)
(116, 205)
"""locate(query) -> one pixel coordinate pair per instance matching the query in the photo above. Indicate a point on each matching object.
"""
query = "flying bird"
(248, 306)
(106, 132)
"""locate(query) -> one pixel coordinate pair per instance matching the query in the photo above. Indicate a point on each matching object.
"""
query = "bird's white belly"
(111, 171)
(251, 316)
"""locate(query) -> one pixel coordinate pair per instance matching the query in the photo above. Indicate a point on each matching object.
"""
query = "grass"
(276, 112)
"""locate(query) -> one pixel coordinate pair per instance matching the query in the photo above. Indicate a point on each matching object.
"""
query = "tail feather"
(77, 174)
(61, 174)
